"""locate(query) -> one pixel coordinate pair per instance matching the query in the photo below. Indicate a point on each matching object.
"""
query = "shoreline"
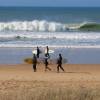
(57, 47)
(84, 56)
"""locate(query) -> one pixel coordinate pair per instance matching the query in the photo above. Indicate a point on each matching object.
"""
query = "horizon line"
(57, 6)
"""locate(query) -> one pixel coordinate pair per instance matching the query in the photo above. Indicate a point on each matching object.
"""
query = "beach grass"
(44, 93)
(79, 82)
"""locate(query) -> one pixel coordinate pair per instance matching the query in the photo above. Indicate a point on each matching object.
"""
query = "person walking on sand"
(34, 62)
(38, 52)
(46, 64)
(47, 51)
(59, 62)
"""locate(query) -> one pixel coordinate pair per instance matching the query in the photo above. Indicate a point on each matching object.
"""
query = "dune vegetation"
(44, 93)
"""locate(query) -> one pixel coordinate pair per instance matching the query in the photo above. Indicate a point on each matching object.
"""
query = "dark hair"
(59, 54)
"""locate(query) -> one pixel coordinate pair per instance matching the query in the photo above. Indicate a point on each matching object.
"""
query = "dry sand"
(14, 76)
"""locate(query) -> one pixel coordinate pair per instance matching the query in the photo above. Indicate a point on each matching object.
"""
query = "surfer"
(59, 62)
(47, 52)
(34, 62)
(38, 52)
(46, 64)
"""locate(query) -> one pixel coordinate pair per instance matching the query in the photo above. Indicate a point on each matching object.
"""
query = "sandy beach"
(19, 79)
(74, 73)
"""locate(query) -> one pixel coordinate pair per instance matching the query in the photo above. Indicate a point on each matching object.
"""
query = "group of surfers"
(47, 56)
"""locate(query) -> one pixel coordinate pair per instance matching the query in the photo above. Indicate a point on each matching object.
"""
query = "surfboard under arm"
(35, 51)
(50, 51)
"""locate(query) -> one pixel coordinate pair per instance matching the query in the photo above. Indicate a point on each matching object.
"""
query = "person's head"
(59, 54)
(46, 46)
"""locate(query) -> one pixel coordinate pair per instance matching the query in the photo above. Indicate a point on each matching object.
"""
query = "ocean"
(72, 31)
(52, 26)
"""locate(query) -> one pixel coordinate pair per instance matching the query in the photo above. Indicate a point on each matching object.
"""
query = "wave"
(46, 26)
(90, 26)
(50, 46)
(51, 35)
(36, 26)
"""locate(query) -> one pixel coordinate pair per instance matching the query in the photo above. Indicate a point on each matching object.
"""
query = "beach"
(79, 73)
(19, 77)
(72, 31)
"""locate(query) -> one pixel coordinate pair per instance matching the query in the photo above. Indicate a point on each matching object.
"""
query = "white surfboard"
(35, 51)
(50, 51)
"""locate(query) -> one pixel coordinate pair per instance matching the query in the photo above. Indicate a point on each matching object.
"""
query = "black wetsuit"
(47, 53)
(34, 63)
(46, 64)
(38, 52)
(59, 62)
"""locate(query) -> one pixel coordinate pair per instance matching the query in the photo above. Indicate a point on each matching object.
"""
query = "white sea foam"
(51, 35)
(55, 40)
(50, 46)
(36, 26)
(31, 26)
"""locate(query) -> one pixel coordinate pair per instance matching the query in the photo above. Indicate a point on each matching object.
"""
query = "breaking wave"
(35, 26)
(46, 26)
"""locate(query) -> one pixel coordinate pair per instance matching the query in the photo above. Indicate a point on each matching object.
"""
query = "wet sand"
(83, 55)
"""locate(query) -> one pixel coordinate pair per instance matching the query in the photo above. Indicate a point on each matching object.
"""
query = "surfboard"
(50, 51)
(51, 61)
(35, 51)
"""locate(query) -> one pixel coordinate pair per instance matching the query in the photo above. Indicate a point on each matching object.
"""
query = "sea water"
(72, 31)
(52, 26)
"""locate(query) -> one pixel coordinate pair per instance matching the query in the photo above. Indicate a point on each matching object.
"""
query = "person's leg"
(47, 55)
(34, 68)
(58, 68)
(38, 55)
(45, 67)
(48, 68)
(61, 67)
